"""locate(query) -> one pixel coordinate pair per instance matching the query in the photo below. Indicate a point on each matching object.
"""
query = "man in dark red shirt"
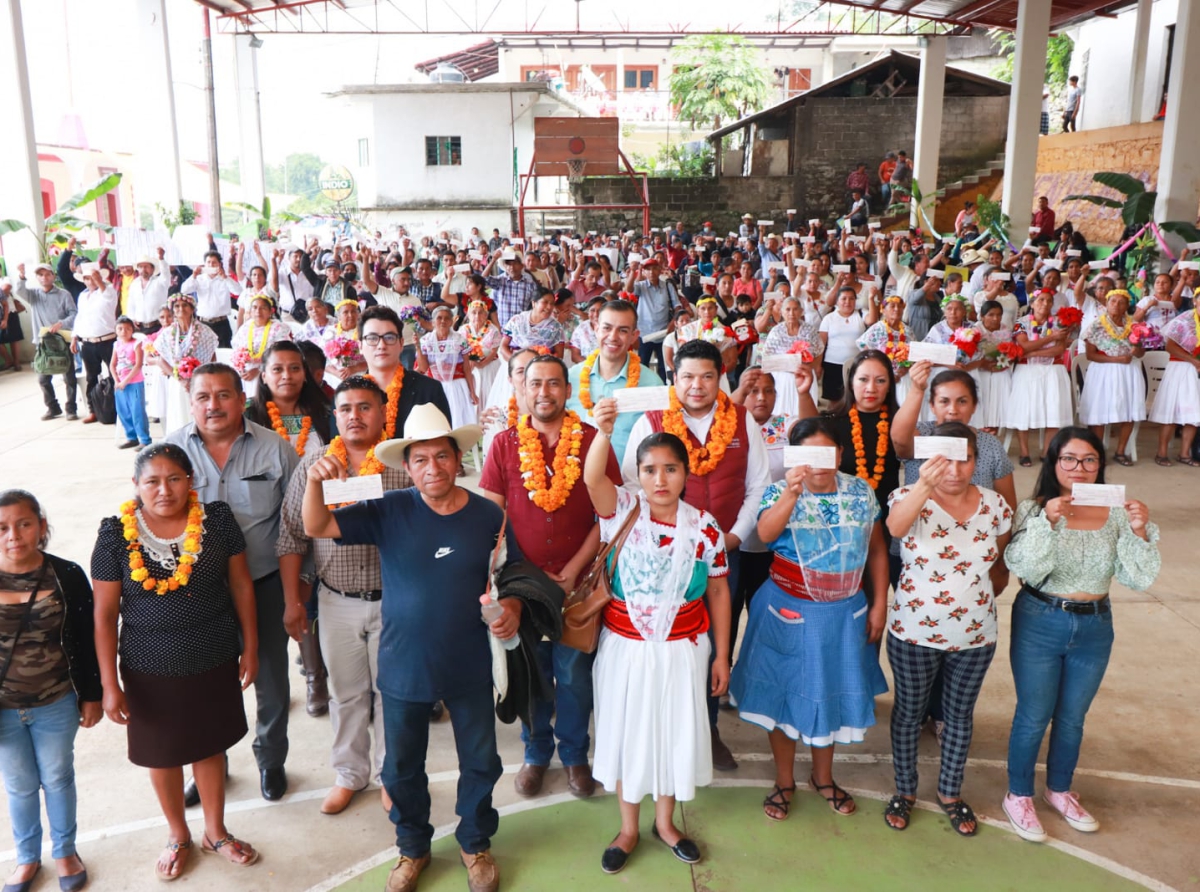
(1043, 219)
(676, 254)
(561, 537)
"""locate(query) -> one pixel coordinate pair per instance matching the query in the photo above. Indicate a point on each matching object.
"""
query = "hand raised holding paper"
(604, 415)
(326, 468)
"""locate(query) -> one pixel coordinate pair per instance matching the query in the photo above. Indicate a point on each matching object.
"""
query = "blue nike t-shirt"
(434, 644)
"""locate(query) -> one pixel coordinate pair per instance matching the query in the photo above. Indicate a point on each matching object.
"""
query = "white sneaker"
(1067, 805)
(1022, 814)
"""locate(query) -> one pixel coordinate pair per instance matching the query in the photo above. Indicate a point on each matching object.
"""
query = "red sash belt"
(690, 622)
(789, 577)
(828, 586)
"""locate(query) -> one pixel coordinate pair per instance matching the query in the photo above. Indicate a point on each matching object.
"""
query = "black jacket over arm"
(79, 629)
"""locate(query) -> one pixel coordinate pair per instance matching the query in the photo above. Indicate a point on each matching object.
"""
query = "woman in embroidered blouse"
(782, 337)
(1041, 390)
(483, 337)
(887, 335)
(1114, 388)
(536, 327)
(444, 356)
(1062, 630)
(1161, 306)
(185, 338)
(652, 673)
(319, 327)
(1178, 397)
(809, 622)
(952, 535)
(258, 333)
(583, 339)
(993, 375)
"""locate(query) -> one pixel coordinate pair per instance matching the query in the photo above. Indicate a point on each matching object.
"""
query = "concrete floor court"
(1139, 770)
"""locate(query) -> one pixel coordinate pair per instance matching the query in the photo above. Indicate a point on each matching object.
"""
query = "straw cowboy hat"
(970, 257)
(90, 269)
(426, 422)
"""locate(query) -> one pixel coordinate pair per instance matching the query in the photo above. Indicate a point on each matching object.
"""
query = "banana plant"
(58, 228)
(1136, 204)
(921, 203)
(261, 217)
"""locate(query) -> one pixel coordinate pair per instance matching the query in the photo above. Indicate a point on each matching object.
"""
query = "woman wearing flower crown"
(252, 339)
(483, 336)
(890, 336)
(1178, 399)
(1114, 388)
(994, 376)
(174, 571)
(1041, 390)
(443, 355)
(185, 344)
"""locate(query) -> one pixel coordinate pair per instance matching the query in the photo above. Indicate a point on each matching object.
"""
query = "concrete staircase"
(545, 222)
(967, 188)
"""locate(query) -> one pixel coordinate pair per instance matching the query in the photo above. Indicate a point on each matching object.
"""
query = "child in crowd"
(130, 396)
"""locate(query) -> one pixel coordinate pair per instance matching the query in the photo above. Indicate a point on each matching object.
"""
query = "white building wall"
(1107, 44)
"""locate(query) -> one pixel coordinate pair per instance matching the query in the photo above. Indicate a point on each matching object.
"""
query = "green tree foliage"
(1058, 58)
(677, 161)
(59, 226)
(717, 77)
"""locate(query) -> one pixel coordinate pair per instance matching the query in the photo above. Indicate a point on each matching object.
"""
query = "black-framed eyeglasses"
(1071, 462)
(391, 339)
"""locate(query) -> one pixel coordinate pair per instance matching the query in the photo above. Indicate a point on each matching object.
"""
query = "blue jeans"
(131, 409)
(1058, 661)
(408, 357)
(406, 733)
(570, 671)
(37, 752)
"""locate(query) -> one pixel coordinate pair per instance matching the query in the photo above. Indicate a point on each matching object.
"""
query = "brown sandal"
(1189, 461)
(179, 852)
(1123, 460)
(237, 851)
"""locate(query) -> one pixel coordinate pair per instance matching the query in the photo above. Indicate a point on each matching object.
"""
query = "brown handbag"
(593, 591)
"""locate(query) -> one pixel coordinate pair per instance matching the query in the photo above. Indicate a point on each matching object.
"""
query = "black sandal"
(1162, 461)
(775, 800)
(1123, 460)
(1025, 461)
(839, 798)
(960, 813)
(898, 807)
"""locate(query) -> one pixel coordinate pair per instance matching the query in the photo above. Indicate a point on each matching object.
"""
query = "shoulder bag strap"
(24, 619)
(623, 534)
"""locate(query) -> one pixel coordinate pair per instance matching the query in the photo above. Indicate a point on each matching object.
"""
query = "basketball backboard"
(595, 141)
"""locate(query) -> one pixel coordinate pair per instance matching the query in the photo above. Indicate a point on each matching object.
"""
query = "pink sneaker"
(1022, 814)
(1067, 805)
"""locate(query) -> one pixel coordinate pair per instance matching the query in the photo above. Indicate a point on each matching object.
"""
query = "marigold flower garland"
(566, 467)
(512, 411)
(277, 425)
(193, 533)
(392, 409)
(704, 460)
(860, 451)
(633, 375)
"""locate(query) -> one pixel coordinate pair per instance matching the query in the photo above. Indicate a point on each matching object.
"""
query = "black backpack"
(103, 400)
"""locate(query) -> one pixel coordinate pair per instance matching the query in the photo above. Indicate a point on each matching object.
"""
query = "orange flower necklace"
(512, 411)
(279, 428)
(193, 534)
(860, 451)
(370, 464)
(633, 375)
(702, 461)
(566, 467)
(392, 409)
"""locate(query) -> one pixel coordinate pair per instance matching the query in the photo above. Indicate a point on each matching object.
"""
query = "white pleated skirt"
(484, 378)
(994, 390)
(1040, 398)
(458, 395)
(499, 391)
(1113, 393)
(787, 398)
(652, 732)
(178, 405)
(1178, 397)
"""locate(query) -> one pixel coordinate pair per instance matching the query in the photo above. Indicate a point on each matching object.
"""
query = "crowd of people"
(307, 483)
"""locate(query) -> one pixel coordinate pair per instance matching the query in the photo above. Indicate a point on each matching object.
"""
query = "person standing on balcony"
(1074, 104)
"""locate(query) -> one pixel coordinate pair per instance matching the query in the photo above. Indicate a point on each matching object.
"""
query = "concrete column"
(159, 177)
(20, 187)
(1137, 71)
(1025, 111)
(930, 90)
(1179, 163)
(249, 120)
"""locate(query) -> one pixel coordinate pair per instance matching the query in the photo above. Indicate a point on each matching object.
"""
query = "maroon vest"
(721, 491)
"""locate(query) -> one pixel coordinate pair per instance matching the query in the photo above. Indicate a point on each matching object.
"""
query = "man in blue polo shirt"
(434, 644)
(616, 332)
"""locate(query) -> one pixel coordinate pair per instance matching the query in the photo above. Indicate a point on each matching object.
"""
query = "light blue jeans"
(1058, 661)
(37, 752)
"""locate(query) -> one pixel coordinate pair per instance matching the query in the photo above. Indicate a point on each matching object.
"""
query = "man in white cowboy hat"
(52, 310)
(95, 329)
(435, 546)
(746, 229)
(147, 293)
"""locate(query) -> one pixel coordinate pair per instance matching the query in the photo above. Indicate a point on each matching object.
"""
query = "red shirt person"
(1043, 219)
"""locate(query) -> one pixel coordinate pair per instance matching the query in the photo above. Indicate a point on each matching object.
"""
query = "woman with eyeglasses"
(1062, 631)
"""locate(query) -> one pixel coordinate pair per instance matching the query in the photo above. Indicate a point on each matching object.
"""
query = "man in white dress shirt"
(214, 296)
(147, 293)
(95, 329)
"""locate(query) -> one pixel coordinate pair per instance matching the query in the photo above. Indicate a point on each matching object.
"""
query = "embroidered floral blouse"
(547, 333)
(1182, 330)
(1099, 337)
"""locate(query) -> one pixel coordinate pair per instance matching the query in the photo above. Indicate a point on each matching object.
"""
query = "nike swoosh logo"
(442, 552)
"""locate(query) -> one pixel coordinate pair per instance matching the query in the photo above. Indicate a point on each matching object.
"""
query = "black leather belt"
(1066, 604)
(215, 319)
(370, 596)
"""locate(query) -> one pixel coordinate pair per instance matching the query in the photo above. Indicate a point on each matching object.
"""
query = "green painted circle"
(558, 848)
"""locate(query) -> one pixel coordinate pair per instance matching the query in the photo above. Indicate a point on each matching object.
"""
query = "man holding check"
(433, 643)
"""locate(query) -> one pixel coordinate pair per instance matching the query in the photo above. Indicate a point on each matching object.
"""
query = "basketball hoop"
(575, 168)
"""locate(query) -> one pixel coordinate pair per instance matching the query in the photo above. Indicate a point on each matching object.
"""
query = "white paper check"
(814, 456)
(642, 399)
(781, 362)
(1194, 245)
(708, 280)
(766, 222)
(1105, 495)
(840, 268)
(1001, 277)
(938, 354)
(954, 448)
(1074, 252)
(1098, 264)
(352, 489)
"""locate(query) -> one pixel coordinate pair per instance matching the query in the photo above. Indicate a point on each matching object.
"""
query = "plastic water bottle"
(492, 611)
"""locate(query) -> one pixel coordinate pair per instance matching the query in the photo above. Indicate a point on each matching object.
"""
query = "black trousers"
(46, 382)
(223, 332)
(94, 357)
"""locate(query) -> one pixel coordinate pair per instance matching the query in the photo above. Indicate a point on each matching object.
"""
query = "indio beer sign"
(336, 182)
